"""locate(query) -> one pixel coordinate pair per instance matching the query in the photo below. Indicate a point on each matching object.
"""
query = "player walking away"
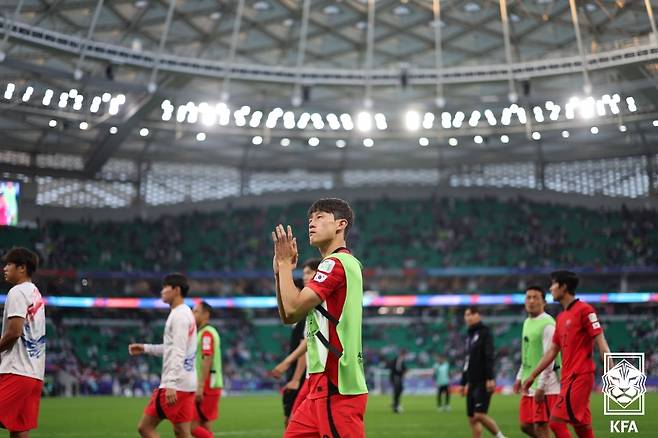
(577, 330)
(397, 368)
(332, 305)
(208, 372)
(442, 380)
(296, 376)
(22, 346)
(174, 399)
(536, 406)
(478, 378)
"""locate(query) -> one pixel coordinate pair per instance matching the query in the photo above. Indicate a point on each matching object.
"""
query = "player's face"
(198, 315)
(471, 318)
(534, 302)
(167, 294)
(557, 291)
(11, 273)
(322, 228)
(307, 274)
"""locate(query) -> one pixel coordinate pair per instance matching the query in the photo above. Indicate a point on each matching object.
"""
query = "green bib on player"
(532, 345)
(351, 376)
(216, 379)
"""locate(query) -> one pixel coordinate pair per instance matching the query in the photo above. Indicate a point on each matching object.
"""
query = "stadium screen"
(9, 192)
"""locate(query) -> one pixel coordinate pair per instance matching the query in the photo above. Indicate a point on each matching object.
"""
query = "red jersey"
(208, 349)
(330, 284)
(575, 330)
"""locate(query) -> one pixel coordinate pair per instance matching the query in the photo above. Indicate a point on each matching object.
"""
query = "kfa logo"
(624, 387)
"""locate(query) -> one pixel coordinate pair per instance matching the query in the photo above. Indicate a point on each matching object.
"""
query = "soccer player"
(296, 377)
(442, 380)
(332, 304)
(538, 330)
(209, 372)
(577, 330)
(174, 399)
(22, 346)
(478, 379)
(397, 368)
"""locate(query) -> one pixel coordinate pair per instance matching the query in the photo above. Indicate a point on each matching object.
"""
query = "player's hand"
(275, 265)
(170, 395)
(539, 395)
(293, 385)
(198, 397)
(285, 247)
(465, 390)
(516, 388)
(525, 386)
(491, 385)
(135, 349)
(279, 370)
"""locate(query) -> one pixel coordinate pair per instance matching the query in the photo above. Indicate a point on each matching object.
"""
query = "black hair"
(473, 309)
(20, 256)
(566, 278)
(299, 283)
(177, 279)
(339, 208)
(206, 307)
(312, 264)
(538, 289)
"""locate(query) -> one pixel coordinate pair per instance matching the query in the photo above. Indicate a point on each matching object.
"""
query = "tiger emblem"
(624, 383)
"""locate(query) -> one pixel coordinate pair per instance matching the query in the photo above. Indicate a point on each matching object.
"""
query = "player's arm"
(547, 340)
(489, 362)
(286, 363)
(152, 349)
(603, 348)
(206, 365)
(545, 361)
(516, 388)
(12, 332)
(296, 380)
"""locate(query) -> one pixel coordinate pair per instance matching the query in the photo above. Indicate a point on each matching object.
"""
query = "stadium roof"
(435, 80)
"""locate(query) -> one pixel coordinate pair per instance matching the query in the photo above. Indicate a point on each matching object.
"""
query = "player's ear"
(342, 224)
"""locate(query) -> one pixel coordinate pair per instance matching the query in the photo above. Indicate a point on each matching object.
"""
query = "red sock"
(560, 430)
(200, 432)
(584, 431)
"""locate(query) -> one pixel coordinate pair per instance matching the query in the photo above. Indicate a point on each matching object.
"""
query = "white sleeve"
(547, 340)
(176, 357)
(154, 349)
(17, 304)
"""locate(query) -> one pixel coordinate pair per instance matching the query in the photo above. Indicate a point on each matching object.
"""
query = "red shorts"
(181, 412)
(20, 397)
(301, 396)
(572, 404)
(337, 415)
(208, 408)
(532, 412)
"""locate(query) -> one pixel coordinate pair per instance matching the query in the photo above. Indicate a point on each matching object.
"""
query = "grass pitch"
(260, 416)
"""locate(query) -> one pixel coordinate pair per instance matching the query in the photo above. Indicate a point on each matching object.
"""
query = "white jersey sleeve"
(179, 350)
(27, 357)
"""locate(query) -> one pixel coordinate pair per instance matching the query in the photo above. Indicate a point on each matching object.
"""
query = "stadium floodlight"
(95, 104)
(594, 130)
(539, 114)
(428, 120)
(106, 97)
(549, 105)
(622, 128)
(257, 140)
(165, 104)
(572, 104)
(201, 136)
(52, 123)
(334, 123)
(77, 104)
(423, 141)
(536, 135)
(588, 108)
(364, 121)
(63, 100)
(458, 119)
(341, 143)
(555, 112)
(144, 132)
(224, 113)
(506, 117)
(246, 109)
(313, 141)
(368, 142)
(478, 139)
(520, 113)
(285, 142)
(317, 121)
(121, 99)
(208, 114)
(452, 141)
(304, 118)
(412, 120)
(114, 107)
(655, 123)
(166, 115)
(504, 139)
(446, 120)
(113, 130)
(630, 102)
(240, 117)
(181, 114)
(27, 94)
(565, 134)
(73, 93)
(84, 125)
(475, 119)
(255, 119)
(289, 120)
(9, 91)
(600, 108)
(491, 118)
(346, 120)
(47, 97)
(380, 121)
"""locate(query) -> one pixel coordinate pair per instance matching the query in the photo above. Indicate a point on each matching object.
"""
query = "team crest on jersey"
(592, 317)
(327, 266)
(320, 277)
